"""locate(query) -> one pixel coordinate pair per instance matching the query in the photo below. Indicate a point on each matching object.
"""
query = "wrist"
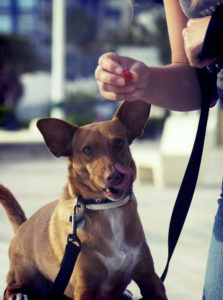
(147, 88)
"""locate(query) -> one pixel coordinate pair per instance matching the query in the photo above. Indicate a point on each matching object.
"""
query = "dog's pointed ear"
(133, 116)
(58, 135)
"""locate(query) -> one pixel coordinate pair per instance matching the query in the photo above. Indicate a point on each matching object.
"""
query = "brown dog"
(114, 250)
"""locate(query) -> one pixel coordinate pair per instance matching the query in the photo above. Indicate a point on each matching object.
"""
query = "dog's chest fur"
(123, 257)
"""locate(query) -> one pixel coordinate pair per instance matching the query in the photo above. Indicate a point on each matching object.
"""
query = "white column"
(58, 58)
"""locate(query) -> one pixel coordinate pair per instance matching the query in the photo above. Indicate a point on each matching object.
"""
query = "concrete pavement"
(38, 181)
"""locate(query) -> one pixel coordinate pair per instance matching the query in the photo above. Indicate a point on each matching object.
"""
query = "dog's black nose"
(114, 178)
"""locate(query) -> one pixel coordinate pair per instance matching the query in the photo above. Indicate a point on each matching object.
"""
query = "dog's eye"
(87, 150)
(119, 143)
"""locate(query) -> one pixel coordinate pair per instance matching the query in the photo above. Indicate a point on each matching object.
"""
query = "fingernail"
(121, 81)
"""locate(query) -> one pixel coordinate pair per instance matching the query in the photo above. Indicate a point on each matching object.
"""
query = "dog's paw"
(19, 297)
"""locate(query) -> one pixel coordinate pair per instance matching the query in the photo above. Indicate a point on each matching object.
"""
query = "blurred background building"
(92, 27)
(89, 23)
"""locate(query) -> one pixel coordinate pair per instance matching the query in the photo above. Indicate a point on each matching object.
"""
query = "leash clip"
(77, 220)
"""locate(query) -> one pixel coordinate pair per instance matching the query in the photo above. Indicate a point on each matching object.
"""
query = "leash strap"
(73, 248)
(188, 184)
(189, 181)
(58, 287)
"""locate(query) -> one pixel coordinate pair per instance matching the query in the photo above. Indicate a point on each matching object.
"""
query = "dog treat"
(127, 75)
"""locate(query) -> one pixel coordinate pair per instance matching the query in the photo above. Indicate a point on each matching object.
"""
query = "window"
(5, 3)
(27, 4)
(26, 23)
(5, 23)
(112, 13)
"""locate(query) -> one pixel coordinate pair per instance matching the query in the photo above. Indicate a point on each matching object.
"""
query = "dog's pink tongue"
(128, 177)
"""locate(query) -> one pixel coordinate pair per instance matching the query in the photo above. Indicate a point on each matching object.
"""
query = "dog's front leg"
(144, 275)
(151, 287)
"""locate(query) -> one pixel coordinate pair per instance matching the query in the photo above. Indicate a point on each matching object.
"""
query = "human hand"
(193, 36)
(111, 83)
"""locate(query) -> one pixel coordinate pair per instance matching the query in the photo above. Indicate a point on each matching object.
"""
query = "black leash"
(57, 289)
(189, 181)
(188, 184)
(73, 248)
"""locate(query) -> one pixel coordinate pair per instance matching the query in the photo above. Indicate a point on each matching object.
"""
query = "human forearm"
(174, 87)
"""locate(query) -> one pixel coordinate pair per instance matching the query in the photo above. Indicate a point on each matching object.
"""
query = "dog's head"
(101, 164)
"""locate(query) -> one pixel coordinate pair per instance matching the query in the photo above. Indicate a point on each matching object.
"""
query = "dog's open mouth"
(116, 192)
